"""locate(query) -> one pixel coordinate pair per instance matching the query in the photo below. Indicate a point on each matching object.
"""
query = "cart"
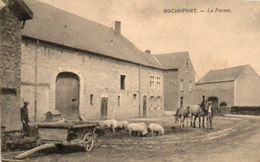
(64, 134)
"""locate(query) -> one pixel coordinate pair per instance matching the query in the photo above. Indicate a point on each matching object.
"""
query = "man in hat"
(25, 117)
(203, 103)
(210, 115)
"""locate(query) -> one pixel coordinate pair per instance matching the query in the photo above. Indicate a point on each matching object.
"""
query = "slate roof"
(58, 26)
(222, 75)
(172, 60)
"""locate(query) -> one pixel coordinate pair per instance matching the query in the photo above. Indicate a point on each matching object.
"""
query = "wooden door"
(144, 105)
(104, 107)
(67, 89)
(214, 101)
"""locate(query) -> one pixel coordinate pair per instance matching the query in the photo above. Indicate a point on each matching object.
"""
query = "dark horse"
(198, 111)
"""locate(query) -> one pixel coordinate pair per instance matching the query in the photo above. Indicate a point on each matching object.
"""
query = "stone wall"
(99, 76)
(247, 88)
(224, 91)
(10, 70)
(187, 74)
(179, 83)
(171, 88)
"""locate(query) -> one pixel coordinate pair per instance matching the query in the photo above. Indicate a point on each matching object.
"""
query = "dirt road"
(232, 139)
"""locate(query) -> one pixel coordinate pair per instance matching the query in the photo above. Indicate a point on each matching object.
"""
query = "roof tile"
(222, 75)
(58, 26)
(172, 60)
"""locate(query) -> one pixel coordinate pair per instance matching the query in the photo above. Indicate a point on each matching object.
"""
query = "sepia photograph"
(130, 81)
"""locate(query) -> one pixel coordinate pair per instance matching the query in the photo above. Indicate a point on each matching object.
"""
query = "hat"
(26, 102)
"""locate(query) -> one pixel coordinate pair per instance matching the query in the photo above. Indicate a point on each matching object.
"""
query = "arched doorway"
(214, 101)
(67, 95)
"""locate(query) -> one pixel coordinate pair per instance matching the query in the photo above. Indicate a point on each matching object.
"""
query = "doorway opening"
(67, 95)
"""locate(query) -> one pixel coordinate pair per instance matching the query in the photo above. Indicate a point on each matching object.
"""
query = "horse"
(181, 115)
(197, 111)
(188, 116)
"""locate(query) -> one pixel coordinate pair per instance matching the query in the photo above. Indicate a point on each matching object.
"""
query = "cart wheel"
(88, 143)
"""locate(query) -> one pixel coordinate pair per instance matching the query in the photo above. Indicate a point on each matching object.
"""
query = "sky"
(214, 40)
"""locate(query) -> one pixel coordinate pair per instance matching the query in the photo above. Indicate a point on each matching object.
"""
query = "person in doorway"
(210, 115)
(25, 118)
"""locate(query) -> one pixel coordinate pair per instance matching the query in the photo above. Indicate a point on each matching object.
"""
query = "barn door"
(144, 105)
(214, 101)
(104, 107)
(67, 95)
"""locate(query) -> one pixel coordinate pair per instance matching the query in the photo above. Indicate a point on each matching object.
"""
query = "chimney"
(117, 27)
(148, 51)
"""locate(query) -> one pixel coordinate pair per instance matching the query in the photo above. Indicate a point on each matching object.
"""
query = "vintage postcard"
(139, 80)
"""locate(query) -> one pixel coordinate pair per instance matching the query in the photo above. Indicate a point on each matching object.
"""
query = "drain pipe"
(35, 81)
(139, 90)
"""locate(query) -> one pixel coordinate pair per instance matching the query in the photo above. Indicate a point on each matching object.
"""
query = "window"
(181, 85)
(151, 83)
(190, 86)
(118, 100)
(122, 82)
(181, 102)
(153, 80)
(135, 95)
(91, 99)
(151, 99)
(8, 91)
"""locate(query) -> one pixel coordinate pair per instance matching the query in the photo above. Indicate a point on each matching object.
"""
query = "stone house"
(179, 79)
(235, 86)
(12, 16)
(86, 70)
(66, 57)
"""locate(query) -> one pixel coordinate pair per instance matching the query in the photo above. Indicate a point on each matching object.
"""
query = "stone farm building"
(179, 79)
(235, 86)
(11, 19)
(62, 59)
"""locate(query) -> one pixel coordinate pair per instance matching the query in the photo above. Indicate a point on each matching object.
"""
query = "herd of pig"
(140, 129)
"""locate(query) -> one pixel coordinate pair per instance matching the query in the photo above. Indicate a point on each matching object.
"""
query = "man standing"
(203, 103)
(204, 112)
(25, 117)
(210, 115)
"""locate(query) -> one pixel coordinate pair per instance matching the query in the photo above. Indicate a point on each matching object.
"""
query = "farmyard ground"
(232, 139)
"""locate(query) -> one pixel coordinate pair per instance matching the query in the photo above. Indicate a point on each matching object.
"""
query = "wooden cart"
(62, 134)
